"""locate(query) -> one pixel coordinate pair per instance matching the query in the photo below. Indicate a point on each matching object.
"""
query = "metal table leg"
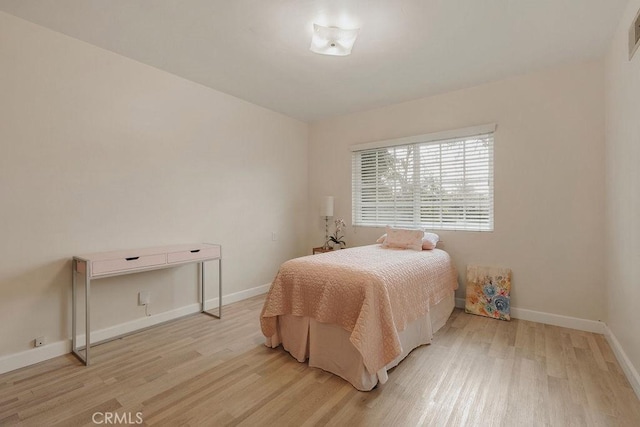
(74, 298)
(74, 312)
(87, 323)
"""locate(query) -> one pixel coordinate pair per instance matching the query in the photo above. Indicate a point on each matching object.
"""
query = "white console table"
(108, 264)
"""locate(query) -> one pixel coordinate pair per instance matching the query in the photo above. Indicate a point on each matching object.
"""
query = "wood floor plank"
(202, 371)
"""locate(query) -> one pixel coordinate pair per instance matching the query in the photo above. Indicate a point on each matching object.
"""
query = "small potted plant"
(336, 238)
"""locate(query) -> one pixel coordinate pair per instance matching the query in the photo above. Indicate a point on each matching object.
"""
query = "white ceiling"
(258, 50)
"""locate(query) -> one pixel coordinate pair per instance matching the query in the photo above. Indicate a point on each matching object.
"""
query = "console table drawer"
(130, 263)
(198, 252)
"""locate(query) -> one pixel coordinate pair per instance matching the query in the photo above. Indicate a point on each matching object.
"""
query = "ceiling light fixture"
(333, 40)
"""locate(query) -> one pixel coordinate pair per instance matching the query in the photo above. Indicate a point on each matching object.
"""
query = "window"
(437, 181)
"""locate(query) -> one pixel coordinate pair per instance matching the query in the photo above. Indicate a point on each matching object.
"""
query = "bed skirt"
(327, 346)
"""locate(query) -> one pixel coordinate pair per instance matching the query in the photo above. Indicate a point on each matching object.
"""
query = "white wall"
(622, 185)
(549, 173)
(99, 152)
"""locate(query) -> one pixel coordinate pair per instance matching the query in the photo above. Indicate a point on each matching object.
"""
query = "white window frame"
(469, 221)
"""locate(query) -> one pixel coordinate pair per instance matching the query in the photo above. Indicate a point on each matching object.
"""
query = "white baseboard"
(551, 319)
(138, 324)
(145, 322)
(32, 356)
(582, 325)
(240, 296)
(628, 368)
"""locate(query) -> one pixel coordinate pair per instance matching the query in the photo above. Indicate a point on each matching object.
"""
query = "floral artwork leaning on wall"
(488, 292)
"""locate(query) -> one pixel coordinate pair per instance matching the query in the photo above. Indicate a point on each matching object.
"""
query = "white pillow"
(429, 241)
(403, 238)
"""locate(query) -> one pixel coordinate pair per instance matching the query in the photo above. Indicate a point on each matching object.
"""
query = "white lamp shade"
(333, 40)
(326, 209)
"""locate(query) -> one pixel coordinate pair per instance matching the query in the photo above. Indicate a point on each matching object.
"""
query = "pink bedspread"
(370, 291)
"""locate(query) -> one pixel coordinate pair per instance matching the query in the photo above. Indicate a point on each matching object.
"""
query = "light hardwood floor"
(202, 371)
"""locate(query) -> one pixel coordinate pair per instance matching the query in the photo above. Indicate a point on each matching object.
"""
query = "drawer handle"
(133, 258)
(195, 251)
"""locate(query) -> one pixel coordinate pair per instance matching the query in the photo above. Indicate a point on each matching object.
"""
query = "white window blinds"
(442, 184)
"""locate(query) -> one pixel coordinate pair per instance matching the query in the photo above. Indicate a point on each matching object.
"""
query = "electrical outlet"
(274, 236)
(144, 297)
(38, 342)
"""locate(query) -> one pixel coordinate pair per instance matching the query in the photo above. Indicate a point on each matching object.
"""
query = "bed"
(358, 312)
